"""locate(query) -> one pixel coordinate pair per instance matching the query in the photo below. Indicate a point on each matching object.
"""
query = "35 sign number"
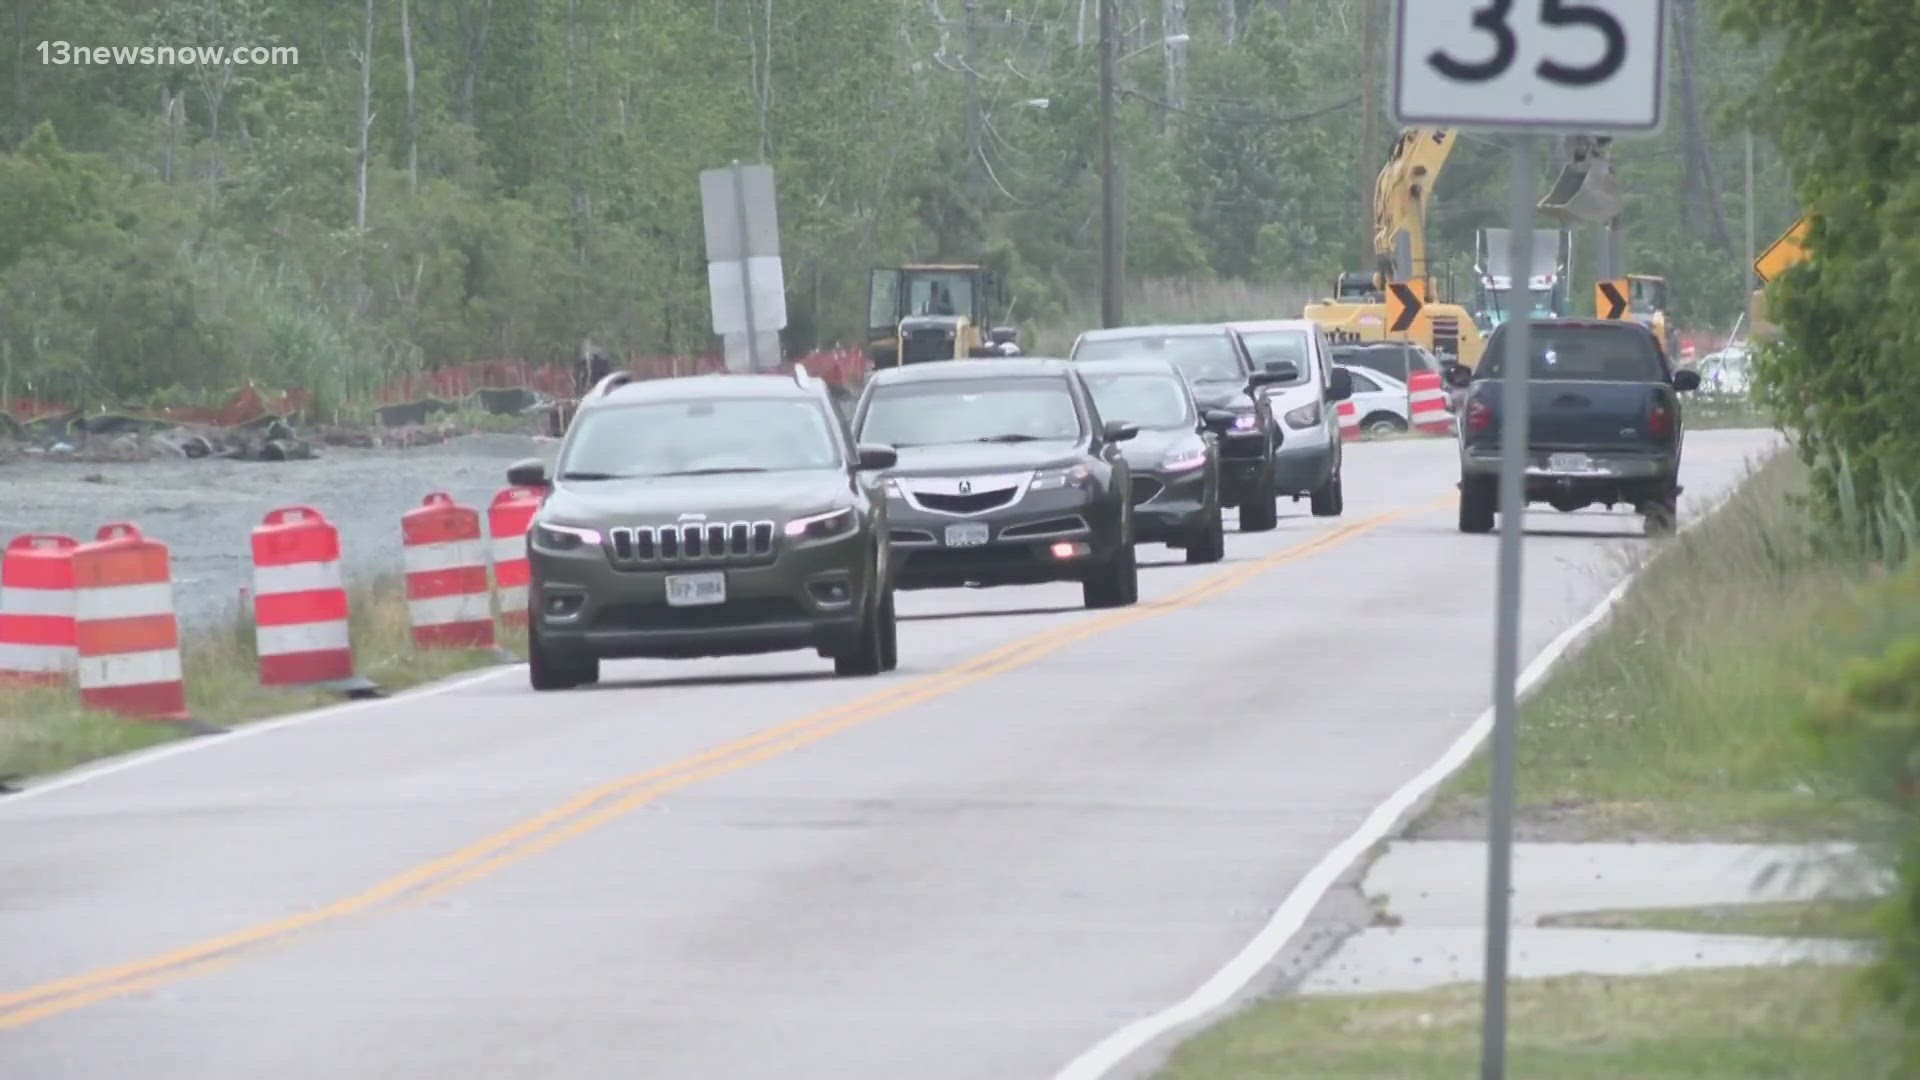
(1494, 20)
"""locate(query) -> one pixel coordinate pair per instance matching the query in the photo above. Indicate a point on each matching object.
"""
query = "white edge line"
(190, 744)
(1226, 984)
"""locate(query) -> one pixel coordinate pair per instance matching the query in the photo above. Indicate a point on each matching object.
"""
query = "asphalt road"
(1048, 823)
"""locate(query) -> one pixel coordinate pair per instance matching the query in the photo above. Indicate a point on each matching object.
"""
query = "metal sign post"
(1596, 67)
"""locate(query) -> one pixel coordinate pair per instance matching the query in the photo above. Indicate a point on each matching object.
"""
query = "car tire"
(547, 670)
(1260, 509)
(1116, 584)
(1383, 424)
(868, 653)
(1661, 518)
(1330, 499)
(1477, 498)
(1208, 544)
(889, 633)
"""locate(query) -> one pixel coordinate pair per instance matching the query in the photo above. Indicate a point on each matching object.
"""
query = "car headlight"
(1245, 423)
(1074, 476)
(563, 537)
(1185, 460)
(1305, 416)
(824, 525)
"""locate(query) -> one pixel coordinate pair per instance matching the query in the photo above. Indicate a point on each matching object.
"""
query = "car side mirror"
(1004, 335)
(1217, 420)
(1120, 431)
(872, 456)
(1282, 370)
(529, 473)
(1264, 378)
(1686, 380)
(1459, 376)
(1340, 384)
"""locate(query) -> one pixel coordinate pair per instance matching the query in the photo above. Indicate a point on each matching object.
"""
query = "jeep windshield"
(951, 411)
(1596, 353)
(695, 438)
(1150, 401)
(1200, 357)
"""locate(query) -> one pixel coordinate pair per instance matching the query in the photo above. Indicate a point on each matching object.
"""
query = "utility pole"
(1370, 113)
(1112, 270)
(1751, 254)
(971, 32)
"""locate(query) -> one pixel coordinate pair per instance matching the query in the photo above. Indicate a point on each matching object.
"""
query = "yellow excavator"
(1358, 311)
(1585, 191)
(935, 311)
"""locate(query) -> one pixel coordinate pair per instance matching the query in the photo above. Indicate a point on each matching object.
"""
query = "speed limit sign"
(1592, 66)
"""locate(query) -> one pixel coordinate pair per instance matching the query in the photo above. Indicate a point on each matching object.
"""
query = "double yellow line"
(608, 802)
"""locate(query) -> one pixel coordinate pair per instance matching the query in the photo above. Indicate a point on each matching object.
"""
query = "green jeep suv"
(718, 515)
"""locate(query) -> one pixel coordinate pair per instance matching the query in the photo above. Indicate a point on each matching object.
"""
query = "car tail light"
(1660, 420)
(1479, 417)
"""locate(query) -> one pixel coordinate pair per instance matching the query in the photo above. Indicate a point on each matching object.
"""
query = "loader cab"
(1357, 288)
(1646, 296)
(934, 312)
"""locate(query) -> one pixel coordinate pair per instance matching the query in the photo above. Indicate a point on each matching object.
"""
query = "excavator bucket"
(1587, 190)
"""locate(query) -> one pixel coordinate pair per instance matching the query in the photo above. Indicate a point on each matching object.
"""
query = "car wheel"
(1209, 543)
(890, 634)
(1116, 584)
(548, 670)
(1260, 510)
(867, 656)
(1329, 499)
(1380, 425)
(1661, 518)
(1476, 505)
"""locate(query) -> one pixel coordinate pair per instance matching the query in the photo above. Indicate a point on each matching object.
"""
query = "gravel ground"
(204, 510)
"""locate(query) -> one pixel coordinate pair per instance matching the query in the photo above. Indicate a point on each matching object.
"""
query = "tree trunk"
(576, 156)
(475, 18)
(413, 124)
(366, 118)
(22, 56)
(1173, 23)
(169, 105)
(1229, 21)
(1369, 125)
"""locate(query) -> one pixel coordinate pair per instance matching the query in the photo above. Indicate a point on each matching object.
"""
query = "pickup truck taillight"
(1478, 417)
(1660, 420)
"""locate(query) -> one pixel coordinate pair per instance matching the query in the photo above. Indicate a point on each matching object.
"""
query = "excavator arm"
(1401, 196)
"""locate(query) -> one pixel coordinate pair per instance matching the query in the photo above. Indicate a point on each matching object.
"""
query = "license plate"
(1574, 463)
(970, 534)
(693, 590)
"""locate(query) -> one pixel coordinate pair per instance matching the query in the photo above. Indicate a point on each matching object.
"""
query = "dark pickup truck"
(1604, 423)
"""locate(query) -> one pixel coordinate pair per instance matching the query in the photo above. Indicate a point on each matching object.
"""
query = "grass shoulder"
(1850, 919)
(46, 729)
(1793, 1023)
(1679, 718)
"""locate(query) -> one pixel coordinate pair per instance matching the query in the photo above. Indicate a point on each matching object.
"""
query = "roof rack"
(612, 382)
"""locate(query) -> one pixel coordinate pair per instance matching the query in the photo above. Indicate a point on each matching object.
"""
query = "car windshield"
(971, 410)
(1587, 353)
(1286, 346)
(1200, 357)
(1150, 401)
(694, 437)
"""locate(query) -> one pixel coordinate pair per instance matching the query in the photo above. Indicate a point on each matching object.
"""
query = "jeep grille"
(705, 541)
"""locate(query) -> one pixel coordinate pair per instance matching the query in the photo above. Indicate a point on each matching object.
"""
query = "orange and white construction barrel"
(1427, 402)
(508, 519)
(449, 600)
(36, 609)
(300, 601)
(125, 631)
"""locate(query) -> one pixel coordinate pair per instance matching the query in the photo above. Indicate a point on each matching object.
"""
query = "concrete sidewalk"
(1434, 896)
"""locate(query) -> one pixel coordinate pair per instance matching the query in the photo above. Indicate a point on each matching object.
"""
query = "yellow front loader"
(935, 311)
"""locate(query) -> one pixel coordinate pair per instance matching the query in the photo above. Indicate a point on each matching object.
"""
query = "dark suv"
(708, 516)
(1217, 364)
(1006, 475)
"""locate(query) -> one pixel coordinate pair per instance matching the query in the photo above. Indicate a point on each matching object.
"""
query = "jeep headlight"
(1184, 460)
(824, 525)
(563, 537)
(1305, 416)
(1245, 423)
(1073, 476)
